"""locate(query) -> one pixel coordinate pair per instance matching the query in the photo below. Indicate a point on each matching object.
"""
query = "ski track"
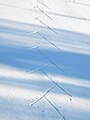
(44, 60)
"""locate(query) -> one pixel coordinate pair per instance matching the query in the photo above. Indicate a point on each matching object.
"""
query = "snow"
(44, 60)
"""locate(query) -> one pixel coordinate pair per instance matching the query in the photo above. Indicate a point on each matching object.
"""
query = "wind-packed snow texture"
(44, 60)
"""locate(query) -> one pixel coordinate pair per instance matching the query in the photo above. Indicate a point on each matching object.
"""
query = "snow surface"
(44, 60)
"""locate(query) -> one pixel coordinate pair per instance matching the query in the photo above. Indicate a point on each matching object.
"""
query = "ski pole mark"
(55, 108)
(33, 71)
(44, 13)
(50, 59)
(43, 4)
(37, 18)
(37, 100)
(49, 42)
(57, 84)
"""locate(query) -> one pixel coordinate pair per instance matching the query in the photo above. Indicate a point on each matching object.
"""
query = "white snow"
(44, 60)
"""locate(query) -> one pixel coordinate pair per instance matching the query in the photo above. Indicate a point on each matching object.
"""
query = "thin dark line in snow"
(50, 60)
(38, 32)
(43, 4)
(56, 84)
(49, 41)
(28, 49)
(37, 100)
(30, 9)
(80, 3)
(33, 71)
(44, 13)
(55, 108)
(37, 18)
